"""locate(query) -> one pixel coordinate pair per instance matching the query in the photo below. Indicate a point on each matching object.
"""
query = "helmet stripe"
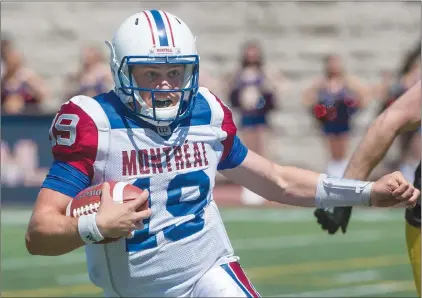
(150, 28)
(162, 33)
(171, 30)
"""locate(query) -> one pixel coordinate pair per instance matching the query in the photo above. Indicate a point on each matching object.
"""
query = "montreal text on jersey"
(157, 160)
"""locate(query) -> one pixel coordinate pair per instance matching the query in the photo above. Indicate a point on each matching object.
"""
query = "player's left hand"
(393, 189)
(332, 219)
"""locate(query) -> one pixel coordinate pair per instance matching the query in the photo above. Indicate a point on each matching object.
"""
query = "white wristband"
(87, 226)
(336, 192)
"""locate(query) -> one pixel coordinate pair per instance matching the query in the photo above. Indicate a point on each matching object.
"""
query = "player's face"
(162, 77)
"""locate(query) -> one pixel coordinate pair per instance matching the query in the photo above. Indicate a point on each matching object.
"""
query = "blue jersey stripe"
(66, 179)
(162, 33)
(201, 112)
(235, 157)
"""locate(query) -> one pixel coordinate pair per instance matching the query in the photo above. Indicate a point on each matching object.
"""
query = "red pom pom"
(320, 111)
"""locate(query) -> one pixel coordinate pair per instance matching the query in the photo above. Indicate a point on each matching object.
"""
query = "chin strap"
(126, 99)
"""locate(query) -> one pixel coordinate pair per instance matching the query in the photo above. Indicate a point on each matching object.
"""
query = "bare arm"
(402, 115)
(286, 185)
(309, 97)
(50, 232)
(361, 91)
(299, 187)
(38, 86)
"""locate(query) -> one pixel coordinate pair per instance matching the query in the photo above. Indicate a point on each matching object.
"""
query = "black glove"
(331, 219)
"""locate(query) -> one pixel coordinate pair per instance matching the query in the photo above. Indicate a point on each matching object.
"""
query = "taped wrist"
(88, 230)
(337, 192)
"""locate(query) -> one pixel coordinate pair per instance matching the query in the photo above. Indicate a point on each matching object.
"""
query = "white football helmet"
(154, 37)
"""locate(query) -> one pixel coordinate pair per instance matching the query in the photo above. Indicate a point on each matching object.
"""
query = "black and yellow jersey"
(413, 216)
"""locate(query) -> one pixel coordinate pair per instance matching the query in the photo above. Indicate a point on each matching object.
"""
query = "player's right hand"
(116, 220)
(393, 189)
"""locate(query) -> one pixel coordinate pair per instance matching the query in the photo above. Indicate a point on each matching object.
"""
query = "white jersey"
(185, 235)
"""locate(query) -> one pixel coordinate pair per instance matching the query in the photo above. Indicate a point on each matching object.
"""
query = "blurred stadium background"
(282, 249)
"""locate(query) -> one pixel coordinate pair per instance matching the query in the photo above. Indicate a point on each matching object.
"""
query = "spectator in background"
(408, 75)
(409, 142)
(92, 78)
(334, 98)
(253, 96)
(22, 90)
(5, 44)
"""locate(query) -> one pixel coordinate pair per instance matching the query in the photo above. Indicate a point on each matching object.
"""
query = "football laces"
(86, 209)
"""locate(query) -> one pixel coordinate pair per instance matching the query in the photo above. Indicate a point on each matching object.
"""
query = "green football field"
(283, 252)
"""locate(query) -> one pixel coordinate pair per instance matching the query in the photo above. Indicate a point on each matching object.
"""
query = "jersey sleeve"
(74, 142)
(234, 151)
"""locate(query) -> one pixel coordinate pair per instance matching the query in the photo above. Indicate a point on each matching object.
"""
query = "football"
(88, 201)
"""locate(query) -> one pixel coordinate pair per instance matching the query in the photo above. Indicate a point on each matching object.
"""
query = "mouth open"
(163, 103)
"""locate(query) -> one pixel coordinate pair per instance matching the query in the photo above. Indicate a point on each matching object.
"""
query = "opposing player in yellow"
(403, 115)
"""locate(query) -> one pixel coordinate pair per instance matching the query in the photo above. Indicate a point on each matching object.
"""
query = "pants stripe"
(236, 272)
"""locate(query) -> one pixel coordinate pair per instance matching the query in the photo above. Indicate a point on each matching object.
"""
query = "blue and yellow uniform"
(413, 234)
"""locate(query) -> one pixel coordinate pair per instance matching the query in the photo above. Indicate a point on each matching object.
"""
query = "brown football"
(88, 201)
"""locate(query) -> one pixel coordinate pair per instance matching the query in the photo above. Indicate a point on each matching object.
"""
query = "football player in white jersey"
(160, 131)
